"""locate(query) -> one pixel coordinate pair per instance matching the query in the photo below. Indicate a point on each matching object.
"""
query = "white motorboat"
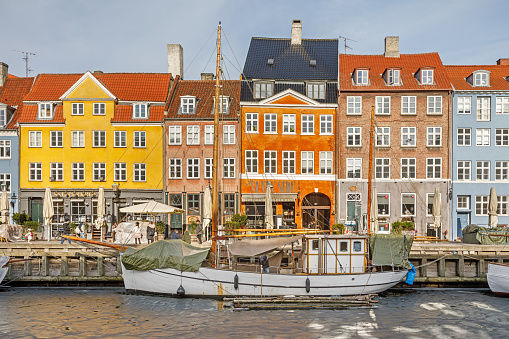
(498, 278)
(3, 270)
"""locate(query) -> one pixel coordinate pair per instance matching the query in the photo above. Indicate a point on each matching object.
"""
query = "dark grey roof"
(292, 62)
(331, 91)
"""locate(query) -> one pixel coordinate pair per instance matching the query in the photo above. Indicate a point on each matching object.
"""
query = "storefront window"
(78, 211)
(255, 212)
(288, 213)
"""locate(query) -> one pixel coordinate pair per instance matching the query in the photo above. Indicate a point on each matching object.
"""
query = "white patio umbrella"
(151, 207)
(269, 215)
(374, 211)
(47, 210)
(100, 209)
(437, 210)
(207, 210)
(4, 207)
(492, 208)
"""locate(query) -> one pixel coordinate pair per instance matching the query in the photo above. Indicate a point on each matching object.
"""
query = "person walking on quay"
(151, 230)
(264, 263)
(66, 231)
(80, 229)
(29, 236)
(137, 234)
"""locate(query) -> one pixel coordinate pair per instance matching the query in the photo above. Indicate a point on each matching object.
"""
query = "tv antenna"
(345, 39)
(25, 57)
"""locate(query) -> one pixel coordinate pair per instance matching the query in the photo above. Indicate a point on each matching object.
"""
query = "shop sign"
(258, 186)
(79, 194)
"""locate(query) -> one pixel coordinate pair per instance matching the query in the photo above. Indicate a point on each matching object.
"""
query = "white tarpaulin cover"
(11, 232)
(124, 233)
(251, 248)
(151, 207)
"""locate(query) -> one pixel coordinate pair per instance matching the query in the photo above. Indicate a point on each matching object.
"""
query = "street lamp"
(13, 200)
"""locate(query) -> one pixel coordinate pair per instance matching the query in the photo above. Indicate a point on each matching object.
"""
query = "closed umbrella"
(437, 211)
(374, 211)
(269, 215)
(47, 210)
(100, 208)
(207, 209)
(492, 208)
(4, 207)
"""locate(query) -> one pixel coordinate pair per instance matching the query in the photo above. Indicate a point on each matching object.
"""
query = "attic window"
(426, 76)
(140, 111)
(45, 110)
(481, 79)
(393, 77)
(187, 105)
(312, 62)
(224, 106)
(270, 62)
(361, 77)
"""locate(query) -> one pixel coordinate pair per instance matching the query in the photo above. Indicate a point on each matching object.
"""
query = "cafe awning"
(276, 197)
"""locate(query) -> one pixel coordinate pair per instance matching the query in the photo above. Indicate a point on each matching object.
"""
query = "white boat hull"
(3, 272)
(209, 282)
(498, 278)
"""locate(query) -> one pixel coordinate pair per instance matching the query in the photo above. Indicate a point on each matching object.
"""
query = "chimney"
(296, 32)
(504, 61)
(175, 60)
(392, 46)
(4, 72)
(207, 76)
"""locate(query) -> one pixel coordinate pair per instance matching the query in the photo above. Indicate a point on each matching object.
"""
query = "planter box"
(160, 237)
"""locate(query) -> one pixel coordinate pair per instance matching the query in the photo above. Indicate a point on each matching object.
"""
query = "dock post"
(481, 272)
(424, 268)
(119, 265)
(28, 266)
(461, 266)
(83, 266)
(100, 267)
(441, 267)
(45, 265)
(64, 266)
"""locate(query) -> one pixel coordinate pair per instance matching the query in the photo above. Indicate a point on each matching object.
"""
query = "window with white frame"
(434, 136)
(120, 138)
(99, 171)
(78, 108)
(209, 135)
(383, 200)
(251, 161)
(307, 163)
(289, 162)
(353, 167)
(99, 138)
(408, 204)
(78, 171)
(408, 136)
(408, 168)
(502, 204)
(174, 135)
(56, 171)
(382, 168)
(139, 172)
(361, 77)
(5, 179)
(263, 90)
(229, 168)
(434, 168)
(307, 124)
(209, 165)
(482, 136)
(140, 140)
(483, 109)
(464, 136)
(193, 168)
(120, 171)
(383, 136)
(251, 122)
(5, 149)
(77, 138)
(464, 105)
(325, 162)
(481, 204)
(502, 137)
(140, 111)
(45, 110)
(228, 134)
(35, 170)
(434, 105)
(502, 106)
(408, 105)
(187, 105)
(464, 170)
(288, 123)
(463, 202)
(270, 122)
(429, 202)
(393, 77)
(3, 117)
(383, 105)
(35, 139)
(193, 135)
(481, 79)
(175, 168)
(501, 170)
(99, 108)
(270, 162)
(224, 106)
(427, 77)
(482, 169)
(354, 105)
(316, 90)
(353, 136)
(56, 138)
(326, 124)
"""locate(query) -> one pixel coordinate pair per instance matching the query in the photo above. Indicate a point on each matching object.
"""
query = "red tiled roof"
(378, 64)
(498, 75)
(14, 90)
(9, 75)
(29, 114)
(124, 113)
(204, 91)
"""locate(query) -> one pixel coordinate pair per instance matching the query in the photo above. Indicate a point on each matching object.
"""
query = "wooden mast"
(370, 170)
(215, 158)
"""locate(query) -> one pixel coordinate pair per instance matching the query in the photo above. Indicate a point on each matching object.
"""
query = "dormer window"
(316, 90)
(187, 105)
(481, 79)
(263, 90)
(426, 77)
(224, 105)
(361, 76)
(392, 77)
(140, 111)
(45, 110)
(3, 117)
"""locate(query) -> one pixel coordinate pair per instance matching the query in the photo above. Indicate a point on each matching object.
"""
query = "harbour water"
(109, 313)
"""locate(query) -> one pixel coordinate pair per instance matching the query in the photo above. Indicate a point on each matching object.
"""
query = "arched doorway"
(316, 211)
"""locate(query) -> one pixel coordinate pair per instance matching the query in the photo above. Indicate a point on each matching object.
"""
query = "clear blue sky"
(73, 36)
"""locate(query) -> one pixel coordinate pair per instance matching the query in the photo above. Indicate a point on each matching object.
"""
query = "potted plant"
(20, 218)
(398, 227)
(160, 227)
(240, 219)
(338, 229)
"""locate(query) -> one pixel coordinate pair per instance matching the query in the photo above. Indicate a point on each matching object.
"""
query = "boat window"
(343, 246)
(357, 246)
(315, 244)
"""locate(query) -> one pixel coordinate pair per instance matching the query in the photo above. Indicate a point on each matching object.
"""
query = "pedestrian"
(151, 230)
(186, 237)
(199, 231)
(137, 234)
(80, 229)
(175, 234)
(264, 263)
(66, 230)
(29, 236)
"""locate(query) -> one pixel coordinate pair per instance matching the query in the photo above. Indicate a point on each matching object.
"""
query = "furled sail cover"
(390, 249)
(165, 254)
(251, 248)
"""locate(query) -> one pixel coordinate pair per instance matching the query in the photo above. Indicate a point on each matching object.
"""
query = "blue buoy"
(181, 291)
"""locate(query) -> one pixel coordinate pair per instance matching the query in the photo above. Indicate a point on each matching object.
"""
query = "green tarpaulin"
(473, 234)
(390, 249)
(165, 254)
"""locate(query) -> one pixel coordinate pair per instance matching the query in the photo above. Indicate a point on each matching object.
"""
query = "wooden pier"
(300, 302)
